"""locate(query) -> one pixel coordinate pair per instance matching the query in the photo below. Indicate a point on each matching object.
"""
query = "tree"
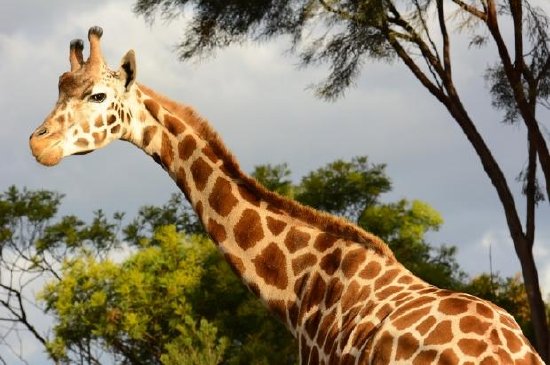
(139, 310)
(418, 33)
(344, 188)
(33, 244)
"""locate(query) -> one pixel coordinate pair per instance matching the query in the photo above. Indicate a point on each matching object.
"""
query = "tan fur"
(336, 226)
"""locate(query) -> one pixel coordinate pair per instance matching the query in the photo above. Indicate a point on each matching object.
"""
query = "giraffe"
(338, 289)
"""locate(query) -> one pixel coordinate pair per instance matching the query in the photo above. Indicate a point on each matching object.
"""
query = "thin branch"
(471, 9)
(446, 46)
(344, 14)
(426, 30)
(517, 17)
(530, 193)
(22, 315)
(432, 88)
(431, 60)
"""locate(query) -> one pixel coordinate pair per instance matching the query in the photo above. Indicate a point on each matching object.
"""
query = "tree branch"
(517, 17)
(409, 62)
(21, 314)
(446, 47)
(471, 9)
(339, 12)
(514, 78)
(530, 193)
(432, 61)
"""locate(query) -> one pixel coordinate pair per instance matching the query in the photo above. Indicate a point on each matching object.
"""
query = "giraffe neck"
(285, 253)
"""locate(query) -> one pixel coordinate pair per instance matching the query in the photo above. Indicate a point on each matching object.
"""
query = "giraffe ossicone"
(338, 289)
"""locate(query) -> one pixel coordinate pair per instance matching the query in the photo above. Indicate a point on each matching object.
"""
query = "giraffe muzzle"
(44, 148)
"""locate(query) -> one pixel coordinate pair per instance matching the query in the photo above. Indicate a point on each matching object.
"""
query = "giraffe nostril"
(41, 132)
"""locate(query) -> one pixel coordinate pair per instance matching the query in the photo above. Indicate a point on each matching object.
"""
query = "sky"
(259, 101)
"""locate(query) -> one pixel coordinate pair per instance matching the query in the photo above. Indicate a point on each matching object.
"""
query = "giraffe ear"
(128, 69)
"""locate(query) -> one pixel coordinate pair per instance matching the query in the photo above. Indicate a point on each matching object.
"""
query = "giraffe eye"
(98, 98)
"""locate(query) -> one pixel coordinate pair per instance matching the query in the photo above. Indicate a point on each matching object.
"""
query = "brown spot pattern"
(334, 292)
(448, 357)
(115, 129)
(303, 262)
(270, 265)
(351, 262)
(512, 341)
(99, 137)
(296, 239)
(166, 151)
(442, 333)
(312, 324)
(371, 270)
(331, 262)
(324, 326)
(471, 346)
(484, 310)
(275, 226)
(324, 241)
(453, 306)
(248, 196)
(407, 345)
(174, 125)
(81, 142)
(425, 357)
(470, 324)
(153, 107)
(222, 199)
(217, 231)
(386, 278)
(235, 263)
(111, 119)
(148, 134)
(207, 151)
(315, 293)
(186, 147)
(425, 325)
(387, 292)
(248, 231)
(99, 121)
(383, 349)
(300, 284)
(201, 171)
(353, 294)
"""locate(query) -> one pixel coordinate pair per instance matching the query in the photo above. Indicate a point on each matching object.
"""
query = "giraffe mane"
(336, 226)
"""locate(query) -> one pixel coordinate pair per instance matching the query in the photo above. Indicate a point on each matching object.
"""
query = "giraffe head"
(92, 107)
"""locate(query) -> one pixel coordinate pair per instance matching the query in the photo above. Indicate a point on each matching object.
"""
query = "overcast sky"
(258, 100)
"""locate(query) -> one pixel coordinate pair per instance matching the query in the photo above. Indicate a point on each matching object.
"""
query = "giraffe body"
(338, 289)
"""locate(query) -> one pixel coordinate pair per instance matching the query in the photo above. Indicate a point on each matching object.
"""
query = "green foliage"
(352, 30)
(177, 211)
(403, 225)
(344, 188)
(139, 310)
(25, 209)
(275, 178)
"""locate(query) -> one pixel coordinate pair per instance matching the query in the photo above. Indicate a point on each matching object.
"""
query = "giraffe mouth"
(83, 152)
(47, 155)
